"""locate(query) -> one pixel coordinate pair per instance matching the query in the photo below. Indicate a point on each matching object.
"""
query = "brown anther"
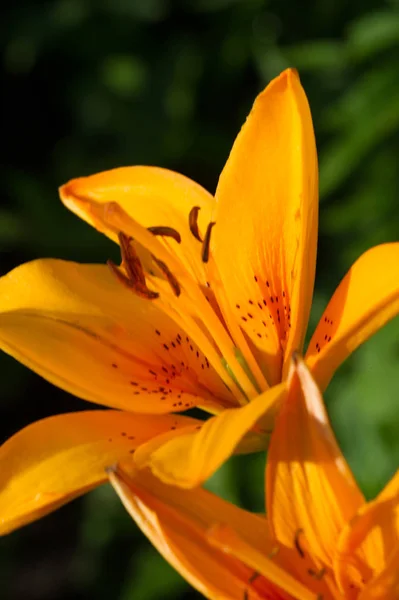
(206, 243)
(297, 544)
(134, 278)
(253, 577)
(317, 574)
(174, 284)
(193, 222)
(251, 580)
(139, 288)
(166, 232)
(295, 357)
(130, 259)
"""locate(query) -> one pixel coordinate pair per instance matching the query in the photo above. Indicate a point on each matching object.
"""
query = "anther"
(174, 284)
(206, 243)
(254, 576)
(135, 279)
(130, 259)
(166, 232)
(251, 580)
(193, 222)
(132, 284)
(111, 469)
(297, 544)
(295, 357)
(317, 574)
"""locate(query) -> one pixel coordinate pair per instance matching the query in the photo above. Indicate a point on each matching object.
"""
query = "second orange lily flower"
(212, 296)
(319, 540)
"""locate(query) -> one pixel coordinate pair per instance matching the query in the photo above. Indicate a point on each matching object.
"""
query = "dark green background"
(89, 85)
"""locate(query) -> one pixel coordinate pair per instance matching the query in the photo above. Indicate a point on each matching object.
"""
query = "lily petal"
(153, 197)
(55, 460)
(386, 585)
(192, 301)
(178, 522)
(226, 539)
(77, 327)
(370, 537)
(189, 459)
(311, 492)
(364, 301)
(264, 240)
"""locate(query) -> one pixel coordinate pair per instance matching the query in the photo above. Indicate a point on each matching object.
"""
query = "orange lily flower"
(211, 298)
(320, 539)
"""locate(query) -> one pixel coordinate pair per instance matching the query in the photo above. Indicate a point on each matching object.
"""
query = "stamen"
(193, 222)
(253, 577)
(251, 580)
(245, 366)
(135, 285)
(174, 284)
(295, 357)
(130, 259)
(317, 574)
(166, 232)
(206, 243)
(135, 279)
(297, 544)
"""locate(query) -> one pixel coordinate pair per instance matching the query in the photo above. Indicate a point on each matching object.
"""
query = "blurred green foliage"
(88, 85)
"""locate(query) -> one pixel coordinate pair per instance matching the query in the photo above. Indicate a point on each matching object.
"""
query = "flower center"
(156, 273)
